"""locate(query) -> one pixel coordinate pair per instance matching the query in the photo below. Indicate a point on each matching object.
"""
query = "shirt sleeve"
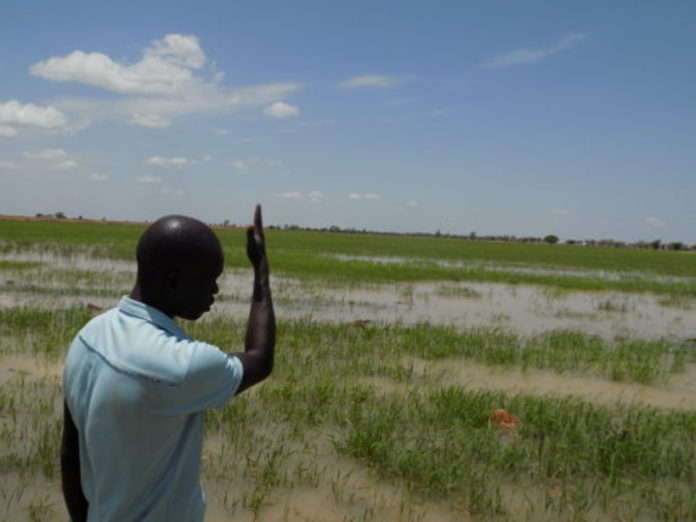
(211, 381)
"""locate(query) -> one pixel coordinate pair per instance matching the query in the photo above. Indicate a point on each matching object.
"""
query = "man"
(136, 385)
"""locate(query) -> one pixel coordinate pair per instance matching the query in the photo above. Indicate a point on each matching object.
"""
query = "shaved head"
(179, 258)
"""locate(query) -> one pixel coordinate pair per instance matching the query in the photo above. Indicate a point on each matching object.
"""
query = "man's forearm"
(260, 336)
(259, 346)
(70, 470)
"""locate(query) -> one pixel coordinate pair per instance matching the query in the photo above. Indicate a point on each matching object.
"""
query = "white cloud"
(368, 80)
(245, 165)
(520, 56)
(314, 196)
(96, 176)
(176, 161)
(164, 68)
(154, 121)
(561, 211)
(369, 195)
(15, 115)
(149, 179)
(290, 195)
(46, 154)
(180, 49)
(240, 166)
(281, 110)
(172, 78)
(48, 158)
(66, 165)
(412, 203)
(655, 222)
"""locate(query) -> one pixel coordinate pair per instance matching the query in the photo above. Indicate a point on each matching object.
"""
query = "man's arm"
(257, 358)
(70, 469)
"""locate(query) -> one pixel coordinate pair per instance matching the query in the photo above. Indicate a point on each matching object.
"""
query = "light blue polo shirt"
(137, 386)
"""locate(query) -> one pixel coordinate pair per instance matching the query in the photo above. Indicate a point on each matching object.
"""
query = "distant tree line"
(550, 239)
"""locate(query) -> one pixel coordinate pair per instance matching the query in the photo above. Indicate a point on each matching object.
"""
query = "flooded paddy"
(379, 407)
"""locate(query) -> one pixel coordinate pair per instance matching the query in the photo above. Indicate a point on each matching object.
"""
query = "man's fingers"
(258, 221)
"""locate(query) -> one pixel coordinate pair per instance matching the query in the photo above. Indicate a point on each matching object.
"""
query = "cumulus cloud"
(164, 68)
(173, 77)
(294, 194)
(281, 110)
(240, 166)
(655, 222)
(314, 196)
(369, 195)
(245, 165)
(97, 176)
(46, 154)
(46, 159)
(176, 161)
(520, 56)
(15, 116)
(368, 80)
(66, 165)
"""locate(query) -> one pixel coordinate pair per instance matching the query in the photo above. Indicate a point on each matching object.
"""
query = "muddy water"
(525, 310)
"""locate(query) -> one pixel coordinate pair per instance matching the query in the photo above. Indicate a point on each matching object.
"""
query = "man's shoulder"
(137, 347)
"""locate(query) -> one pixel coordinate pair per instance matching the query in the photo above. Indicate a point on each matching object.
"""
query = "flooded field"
(379, 408)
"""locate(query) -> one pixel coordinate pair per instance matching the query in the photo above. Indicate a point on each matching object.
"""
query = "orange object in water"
(504, 421)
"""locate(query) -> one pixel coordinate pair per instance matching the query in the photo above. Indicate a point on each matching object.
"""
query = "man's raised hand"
(256, 248)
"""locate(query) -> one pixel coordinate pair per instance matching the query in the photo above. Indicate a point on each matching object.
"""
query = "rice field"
(392, 354)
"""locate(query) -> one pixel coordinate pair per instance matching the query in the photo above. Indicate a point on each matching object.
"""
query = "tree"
(551, 239)
(60, 215)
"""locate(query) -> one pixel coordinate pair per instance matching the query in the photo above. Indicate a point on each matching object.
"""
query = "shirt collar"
(150, 314)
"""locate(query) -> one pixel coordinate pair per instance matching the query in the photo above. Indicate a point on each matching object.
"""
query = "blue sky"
(524, 118)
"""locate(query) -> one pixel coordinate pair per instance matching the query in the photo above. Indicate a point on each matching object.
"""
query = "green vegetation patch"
(439, 441)
(40, 331)
(443, 445)
(17, 265)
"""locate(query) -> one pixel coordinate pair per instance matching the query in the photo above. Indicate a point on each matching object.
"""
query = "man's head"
(179, 260)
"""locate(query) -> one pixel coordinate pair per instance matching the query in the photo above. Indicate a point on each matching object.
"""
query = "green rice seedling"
(457, 292)
(45, 331)
(442, 445)
(16, 266)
